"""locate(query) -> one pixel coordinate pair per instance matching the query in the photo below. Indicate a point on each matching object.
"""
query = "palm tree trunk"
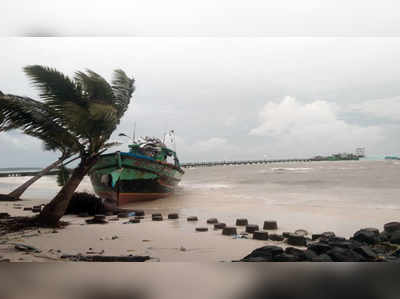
(21, 189)
(54, 210)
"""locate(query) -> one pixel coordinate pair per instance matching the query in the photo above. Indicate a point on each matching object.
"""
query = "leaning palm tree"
(36, 120)
(84, 111)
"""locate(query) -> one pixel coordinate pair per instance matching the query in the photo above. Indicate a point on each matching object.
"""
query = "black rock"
(319, 248)
(284, 257)
(296, 240)
(384, 236)
(336, 239)
(367, 235)
(323, 258)
(82, 202)
(286, 234)
(309, 254)
(338, 254)
(257, 259)
(347, 244)
(266, 252)
(276, 237)
(391, 227)
(366, 252)
(301, 232)
(298, 253)
(395, 238)
(328, 234)
(315, 236)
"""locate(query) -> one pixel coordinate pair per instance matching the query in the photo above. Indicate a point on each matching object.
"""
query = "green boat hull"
(126, 177)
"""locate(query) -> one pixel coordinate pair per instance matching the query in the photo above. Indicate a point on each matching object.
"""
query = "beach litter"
(301, 232)
(105, 258)
(25, 248)
(97, 219)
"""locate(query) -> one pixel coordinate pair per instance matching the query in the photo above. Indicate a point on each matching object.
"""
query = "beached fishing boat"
(149, 170)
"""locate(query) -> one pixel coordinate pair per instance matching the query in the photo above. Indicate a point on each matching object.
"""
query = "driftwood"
(101, 258)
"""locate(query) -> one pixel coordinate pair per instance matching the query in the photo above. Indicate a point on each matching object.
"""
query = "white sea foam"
(204, 186)
(294, 169)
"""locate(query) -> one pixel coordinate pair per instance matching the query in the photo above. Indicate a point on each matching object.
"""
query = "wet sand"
(325, 196)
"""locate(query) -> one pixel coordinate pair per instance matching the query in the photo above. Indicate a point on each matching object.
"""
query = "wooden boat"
(140, 174)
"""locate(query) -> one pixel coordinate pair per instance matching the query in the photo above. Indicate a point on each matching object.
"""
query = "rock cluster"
(366, 245)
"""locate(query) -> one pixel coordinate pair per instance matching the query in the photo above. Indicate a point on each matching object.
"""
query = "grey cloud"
(199, 85)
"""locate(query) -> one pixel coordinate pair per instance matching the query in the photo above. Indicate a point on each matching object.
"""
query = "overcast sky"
(227, 96)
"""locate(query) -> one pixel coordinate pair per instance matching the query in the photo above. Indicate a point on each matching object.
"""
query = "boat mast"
(134, 132)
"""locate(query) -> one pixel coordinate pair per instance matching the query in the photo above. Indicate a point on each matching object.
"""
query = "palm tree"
(36, 120)
(81, 112)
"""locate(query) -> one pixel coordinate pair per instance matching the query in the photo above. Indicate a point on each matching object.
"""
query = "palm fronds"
(55, 88)
(36, 119)
(123, 88)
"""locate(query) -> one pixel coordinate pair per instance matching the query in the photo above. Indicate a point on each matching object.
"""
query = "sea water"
(318, 196)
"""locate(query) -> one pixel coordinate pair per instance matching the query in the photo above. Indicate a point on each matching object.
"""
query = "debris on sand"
(104, 258)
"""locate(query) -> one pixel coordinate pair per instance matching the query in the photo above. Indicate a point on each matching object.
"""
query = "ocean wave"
(204, 186)
(297, 169)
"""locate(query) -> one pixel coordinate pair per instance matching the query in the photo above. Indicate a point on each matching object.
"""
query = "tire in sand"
(270, 224)
(173, 216)
(251, 228)
(229, 231)
(241, 222)
(212, 221)
(260, 235)
(219, 226)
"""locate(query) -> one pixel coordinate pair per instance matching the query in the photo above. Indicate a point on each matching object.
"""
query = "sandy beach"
(321, 196)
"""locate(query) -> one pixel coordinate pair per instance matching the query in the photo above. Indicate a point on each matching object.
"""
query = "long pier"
(186, 165)
(24, 173)
(242, 162)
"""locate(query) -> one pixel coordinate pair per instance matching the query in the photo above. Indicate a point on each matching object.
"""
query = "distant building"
(360, 151)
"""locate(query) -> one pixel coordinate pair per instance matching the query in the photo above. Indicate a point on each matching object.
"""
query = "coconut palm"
(36, 120)
(81, 112)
